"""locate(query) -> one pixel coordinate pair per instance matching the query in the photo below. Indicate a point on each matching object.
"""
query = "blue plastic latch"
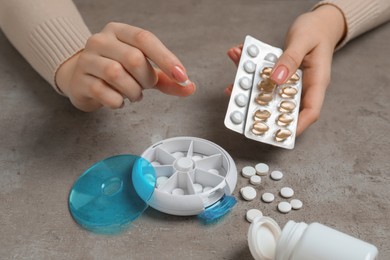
(219, 209)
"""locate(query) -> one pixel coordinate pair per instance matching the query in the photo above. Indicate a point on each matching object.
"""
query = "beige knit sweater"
(48, 32)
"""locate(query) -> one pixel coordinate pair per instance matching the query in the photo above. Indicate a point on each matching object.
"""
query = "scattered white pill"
(284, 207)
(241, 100)
(155, 163)
(248, 193)
(245, 83)
(287, 192)
(296, 204)
(248, 171)
(198, 188)
(253, 51)
(252, 214)
(161, 180)
(268, 197)
(178, 191)
(196, 157)
(214, 171)
(255, 180)
(271, 57)
(276, 175)
(178, 155)
(262, 169)
(207, 188)
(249, 66)
(237, 117)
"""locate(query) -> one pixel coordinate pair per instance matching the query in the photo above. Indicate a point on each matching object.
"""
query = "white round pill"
(262, 169)
(161, 180)
(252, 214)
(268, 197)
(253, 51)
(249, 66)
(241, 100)
(284, 207)
(196, 157)
(237, 117)
(213, 171)
(248, 193)
(178, 191)
(245, 83)
(271, 57)
(276, 175)
(287, 192)
(198, 188)
(178, 155)
(155, 163)
(296, 204)
(207, 188)
(255, 180)
(248, 171)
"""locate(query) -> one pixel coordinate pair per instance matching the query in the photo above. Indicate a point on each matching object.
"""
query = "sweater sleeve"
(360, 15)
(45, 32)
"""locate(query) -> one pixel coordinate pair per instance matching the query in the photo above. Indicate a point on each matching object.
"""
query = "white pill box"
(258, 108)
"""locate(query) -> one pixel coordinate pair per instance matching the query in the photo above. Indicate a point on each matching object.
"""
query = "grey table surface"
(339, 168)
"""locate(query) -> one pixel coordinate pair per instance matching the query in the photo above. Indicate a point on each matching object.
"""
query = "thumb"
(170, 87)
(290, 60)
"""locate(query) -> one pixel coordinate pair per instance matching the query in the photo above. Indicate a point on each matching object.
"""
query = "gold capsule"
(293, 80)
(288, 92)
(261, 115)
(266, 85)
(263, 98)
(284, 119)
(259, 128)
(287, 106)
(282, 134)
(266, 72)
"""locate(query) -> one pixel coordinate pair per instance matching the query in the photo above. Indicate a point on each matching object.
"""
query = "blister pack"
(258, 108)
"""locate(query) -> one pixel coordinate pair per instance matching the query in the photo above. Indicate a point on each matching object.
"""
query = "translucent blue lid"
(215, 212)
(104, 199)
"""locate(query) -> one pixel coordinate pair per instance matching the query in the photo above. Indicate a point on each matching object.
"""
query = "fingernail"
(185, 83)
(179, 75)
(280, 74)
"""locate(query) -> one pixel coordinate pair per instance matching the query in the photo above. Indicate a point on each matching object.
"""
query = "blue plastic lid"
(104, 199)
(219, 209)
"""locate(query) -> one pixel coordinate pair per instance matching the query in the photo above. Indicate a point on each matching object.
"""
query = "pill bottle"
(301, 241)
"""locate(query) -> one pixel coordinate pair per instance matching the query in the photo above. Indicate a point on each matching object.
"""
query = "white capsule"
(296, 204)
(245, 83)
(268, 197)
(161, 181)
(255, 180)
(284, 207)
(237, 117)
(196, 158)
(262, 169)
(253, 51)
(271, 57)
(287, 192)
(276, 175)
(252, 214)
(198, 188)
(248, 171)
(178, 191)
(178, 155)
(249, 66)
(241, 100)
(248, 193)
(214, 171)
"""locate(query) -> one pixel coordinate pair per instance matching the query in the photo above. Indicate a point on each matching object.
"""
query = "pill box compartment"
(190, 163)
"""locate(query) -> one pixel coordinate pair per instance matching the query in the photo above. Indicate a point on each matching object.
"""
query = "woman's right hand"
(116, 64)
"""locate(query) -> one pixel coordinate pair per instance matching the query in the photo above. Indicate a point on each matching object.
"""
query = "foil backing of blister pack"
(258, 108)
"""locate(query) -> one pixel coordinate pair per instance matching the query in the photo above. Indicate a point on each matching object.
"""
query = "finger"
(153, 48)
(291, 59)
(235, 54)
(100, 91)
(113, 73)
(132, 59)
(166, 85)
(228, 90)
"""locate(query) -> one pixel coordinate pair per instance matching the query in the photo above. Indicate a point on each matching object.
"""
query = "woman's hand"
(310, 43)
(116, 64)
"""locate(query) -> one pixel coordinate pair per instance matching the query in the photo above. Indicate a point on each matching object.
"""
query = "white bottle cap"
(263, 236)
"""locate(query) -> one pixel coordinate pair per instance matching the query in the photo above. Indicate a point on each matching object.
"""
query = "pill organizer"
(180, 176)
(258, 108)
